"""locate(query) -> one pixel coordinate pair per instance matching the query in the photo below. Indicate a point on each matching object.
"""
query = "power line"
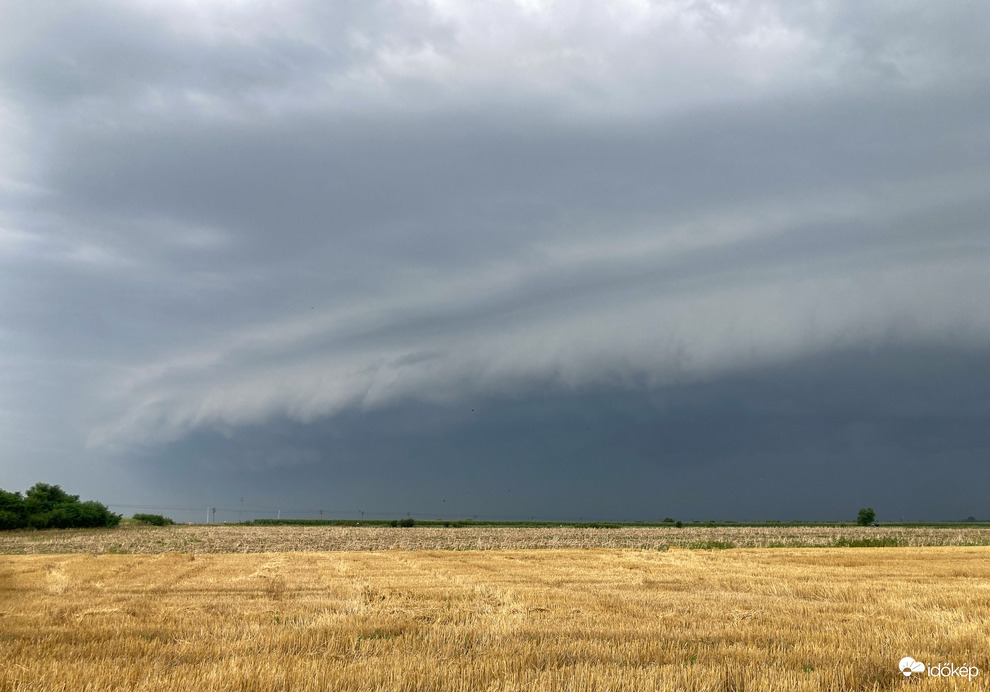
(186, 509)
(318, 513)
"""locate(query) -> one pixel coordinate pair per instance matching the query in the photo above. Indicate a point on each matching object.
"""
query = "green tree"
(866, 516)
(47, 506)
(12, 512)
(42, 498)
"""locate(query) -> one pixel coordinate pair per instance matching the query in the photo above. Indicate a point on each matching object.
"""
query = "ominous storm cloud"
(621, 260)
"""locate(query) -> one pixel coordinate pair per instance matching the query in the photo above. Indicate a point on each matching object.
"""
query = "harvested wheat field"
(594, 619)
(274, 539)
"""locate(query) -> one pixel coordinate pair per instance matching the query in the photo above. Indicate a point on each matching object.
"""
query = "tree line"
(46, 506)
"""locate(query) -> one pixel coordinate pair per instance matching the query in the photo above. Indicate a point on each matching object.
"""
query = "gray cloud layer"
(218, 216)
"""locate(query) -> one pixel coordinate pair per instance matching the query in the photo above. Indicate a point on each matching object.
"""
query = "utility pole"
(213, 510)
(240, 511)
(321, 515)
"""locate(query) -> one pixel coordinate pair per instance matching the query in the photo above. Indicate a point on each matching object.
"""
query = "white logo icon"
(909, 665)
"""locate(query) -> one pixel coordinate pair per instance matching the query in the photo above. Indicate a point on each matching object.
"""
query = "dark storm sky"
(613, 261)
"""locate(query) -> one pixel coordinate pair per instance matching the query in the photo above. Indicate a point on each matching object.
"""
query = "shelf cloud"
(220, 219)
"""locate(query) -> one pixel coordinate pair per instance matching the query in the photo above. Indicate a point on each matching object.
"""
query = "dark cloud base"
(902, 431)
(218, 215)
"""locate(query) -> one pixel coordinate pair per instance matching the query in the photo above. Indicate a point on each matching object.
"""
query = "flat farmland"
(220, 538)
(506, 619)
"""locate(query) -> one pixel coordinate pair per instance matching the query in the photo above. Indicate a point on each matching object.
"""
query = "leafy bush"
(46, 506)
(153, 519)
(13, 514)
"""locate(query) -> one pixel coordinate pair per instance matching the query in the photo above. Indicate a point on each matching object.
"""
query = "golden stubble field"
(537, 620)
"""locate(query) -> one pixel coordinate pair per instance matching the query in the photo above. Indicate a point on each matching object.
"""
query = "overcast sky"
(619, 260)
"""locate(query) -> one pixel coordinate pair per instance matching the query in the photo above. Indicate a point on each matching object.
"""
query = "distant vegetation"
(153, 519)
(462, 523)
(46, 506)
(665, 523)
